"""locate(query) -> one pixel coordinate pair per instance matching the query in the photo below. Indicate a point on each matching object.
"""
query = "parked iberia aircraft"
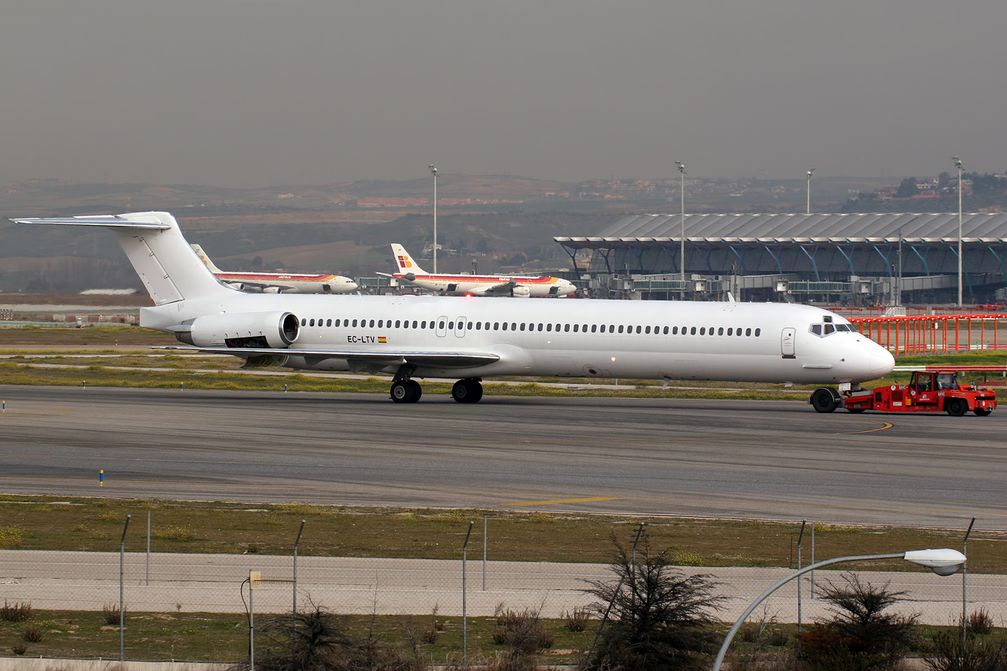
(476, 285)
(276, 283)
(469, 339)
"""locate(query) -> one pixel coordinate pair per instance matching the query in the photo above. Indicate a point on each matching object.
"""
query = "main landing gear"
(406, 390)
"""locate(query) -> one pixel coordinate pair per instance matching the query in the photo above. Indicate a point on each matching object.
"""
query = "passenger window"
(674, 330)
(647, 330)
(702, 330)
(666, 330)
(737, 331)
(504, 326)
(720, 331)
(692, 331)
(372, 324)
(620, 328)
(469, 326)
(513, 326)
(594, 328)
(748, 332)
(566, 328)
(576, 328)
(304, 321)
(311, 323)
(479, 326)
(441, 325)
(522, 326)
(730, 331)
(541, 326)
(758, 332)
(548, 327)
(639, 329)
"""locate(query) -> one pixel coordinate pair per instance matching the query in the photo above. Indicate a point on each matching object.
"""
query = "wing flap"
(388, 357)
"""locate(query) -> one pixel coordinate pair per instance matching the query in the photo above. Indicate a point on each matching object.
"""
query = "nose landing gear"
(825, 399)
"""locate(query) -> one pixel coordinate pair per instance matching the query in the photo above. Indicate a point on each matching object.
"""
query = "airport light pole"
(681, 261)
(942, 562)
(808, 208)
(958, 165)
(433, 171)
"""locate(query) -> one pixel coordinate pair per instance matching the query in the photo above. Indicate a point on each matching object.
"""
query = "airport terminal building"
(849, 259)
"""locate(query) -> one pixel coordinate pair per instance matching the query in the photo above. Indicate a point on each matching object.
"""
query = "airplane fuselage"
(543, 286)
(769, 342)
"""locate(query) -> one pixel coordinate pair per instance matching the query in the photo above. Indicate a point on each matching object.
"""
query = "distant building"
(844, 258)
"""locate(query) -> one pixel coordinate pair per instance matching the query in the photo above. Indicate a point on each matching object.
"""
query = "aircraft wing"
(384, 356)
(501, 289)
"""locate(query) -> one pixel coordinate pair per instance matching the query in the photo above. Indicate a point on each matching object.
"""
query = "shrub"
(977, 654)
(980, 622)
(16, 612)
(577, 619)
(18, 649)
(860, 635)
(174, 533)
(110, 614)
(32, 635)
(660, 617)
(522, 631)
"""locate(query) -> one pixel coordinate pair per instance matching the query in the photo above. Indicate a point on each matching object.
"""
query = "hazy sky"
(267, 92)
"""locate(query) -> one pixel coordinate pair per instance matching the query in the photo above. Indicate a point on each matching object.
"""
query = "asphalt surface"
(711, 458)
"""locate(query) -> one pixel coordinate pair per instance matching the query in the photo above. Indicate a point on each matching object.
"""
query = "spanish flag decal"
(382, 340)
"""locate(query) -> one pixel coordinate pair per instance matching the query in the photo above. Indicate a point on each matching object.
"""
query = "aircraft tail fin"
(205, 259)
(168, 267)
(404, 262)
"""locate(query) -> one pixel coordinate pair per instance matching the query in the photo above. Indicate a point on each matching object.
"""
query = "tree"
(660, 618)
(860, 636)
(907, 188)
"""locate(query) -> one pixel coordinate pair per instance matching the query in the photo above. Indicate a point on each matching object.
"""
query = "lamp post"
(681, 261)
(958, 165)
(942, 562)
(810, 173)
(433, 171)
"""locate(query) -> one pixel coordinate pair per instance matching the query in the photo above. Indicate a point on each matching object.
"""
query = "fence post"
(465, 614)
(812, 574)
(146, 570)
(122, 592)
(800, 539)
(297, 545)
(485, 532)
(965, 593)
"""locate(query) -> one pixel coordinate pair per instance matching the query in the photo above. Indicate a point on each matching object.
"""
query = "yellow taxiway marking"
(553, 502)
(885, 426)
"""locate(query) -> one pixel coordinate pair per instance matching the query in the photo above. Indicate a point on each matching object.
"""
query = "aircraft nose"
(881, 362)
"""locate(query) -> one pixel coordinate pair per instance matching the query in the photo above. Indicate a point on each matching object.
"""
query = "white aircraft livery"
(541, 286)
(277, 283)
(469, 339)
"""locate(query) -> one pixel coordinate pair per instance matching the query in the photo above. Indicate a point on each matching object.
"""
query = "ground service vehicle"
(927, 391)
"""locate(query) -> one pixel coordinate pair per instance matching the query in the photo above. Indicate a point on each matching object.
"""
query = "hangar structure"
(855, 259)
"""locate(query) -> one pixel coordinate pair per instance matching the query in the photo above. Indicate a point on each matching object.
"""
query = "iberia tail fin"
(404, 262)
(205, 259)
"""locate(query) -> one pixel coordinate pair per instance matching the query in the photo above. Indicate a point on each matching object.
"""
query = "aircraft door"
(441, 326)
(787, 338)
(460, 327)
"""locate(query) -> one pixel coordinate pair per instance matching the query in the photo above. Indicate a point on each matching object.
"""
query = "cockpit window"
(827, 328)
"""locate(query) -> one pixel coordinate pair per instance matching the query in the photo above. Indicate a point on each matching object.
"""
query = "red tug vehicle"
(927, 391)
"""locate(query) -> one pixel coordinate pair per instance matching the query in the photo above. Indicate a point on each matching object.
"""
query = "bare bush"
(977, 654)
(576, 619)
(660, 617)
(16, 612)
(110, 614)
(32, 635)
(860, 635)
(979, 622)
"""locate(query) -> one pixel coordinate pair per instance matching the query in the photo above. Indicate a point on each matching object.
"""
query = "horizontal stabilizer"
(101, 221)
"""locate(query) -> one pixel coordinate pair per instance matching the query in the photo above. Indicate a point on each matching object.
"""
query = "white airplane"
(542, 286)
(469, 339)
(276, 283)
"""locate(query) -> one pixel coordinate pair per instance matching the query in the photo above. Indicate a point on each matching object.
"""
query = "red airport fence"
(944, 333)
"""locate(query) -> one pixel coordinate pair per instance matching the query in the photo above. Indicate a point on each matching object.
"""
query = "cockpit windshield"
(828, 328)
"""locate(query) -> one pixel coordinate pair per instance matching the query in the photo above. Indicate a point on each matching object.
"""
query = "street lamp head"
(944, 561)
(681, 167)
(958, 162)
(811, 172)
(433, 168)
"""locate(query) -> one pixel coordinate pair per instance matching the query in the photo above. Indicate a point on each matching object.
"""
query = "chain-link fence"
(198, 605)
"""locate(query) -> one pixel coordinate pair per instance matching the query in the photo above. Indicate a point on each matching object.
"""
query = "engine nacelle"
(275, 330)
(521, 292)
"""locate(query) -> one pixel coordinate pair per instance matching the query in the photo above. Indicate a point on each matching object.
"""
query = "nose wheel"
(469, 390)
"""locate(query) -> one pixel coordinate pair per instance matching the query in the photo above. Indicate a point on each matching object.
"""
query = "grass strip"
(95, 524)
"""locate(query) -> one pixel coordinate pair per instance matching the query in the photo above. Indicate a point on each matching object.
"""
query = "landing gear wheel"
(956, 407)
(467, 391)
(982, 412)
(406, 391)
(825, 399)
